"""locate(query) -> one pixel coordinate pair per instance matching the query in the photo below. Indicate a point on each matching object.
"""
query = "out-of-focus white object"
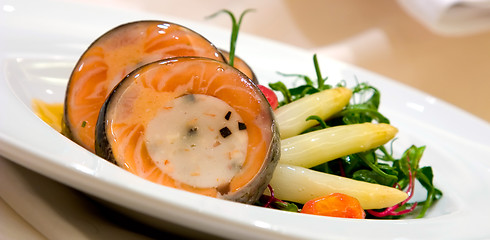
(451, 17)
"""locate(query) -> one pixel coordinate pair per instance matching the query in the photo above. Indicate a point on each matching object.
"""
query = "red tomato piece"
(335, 205)
(270, 95)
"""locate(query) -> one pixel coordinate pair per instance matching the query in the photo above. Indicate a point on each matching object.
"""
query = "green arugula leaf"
(295, 93)
(234, 30)
(286, 206)
(320, 121)
(425, 177)
(279, 86)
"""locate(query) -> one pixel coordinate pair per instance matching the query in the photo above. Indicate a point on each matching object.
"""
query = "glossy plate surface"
(38, 50)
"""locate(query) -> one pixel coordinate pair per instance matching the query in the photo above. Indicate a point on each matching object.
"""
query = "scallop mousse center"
(198, 140)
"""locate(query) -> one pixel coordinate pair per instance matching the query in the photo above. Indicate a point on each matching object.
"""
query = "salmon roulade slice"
(111, 57)
(241, 65)
(194, 124)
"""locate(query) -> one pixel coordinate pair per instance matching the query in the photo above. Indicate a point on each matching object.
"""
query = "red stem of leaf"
(391, 211)
(342, 173)
(271, 198)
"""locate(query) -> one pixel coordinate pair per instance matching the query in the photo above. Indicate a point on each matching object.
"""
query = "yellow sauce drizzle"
(50, 113)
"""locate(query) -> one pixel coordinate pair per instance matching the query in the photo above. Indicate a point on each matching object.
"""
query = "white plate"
(39, 48)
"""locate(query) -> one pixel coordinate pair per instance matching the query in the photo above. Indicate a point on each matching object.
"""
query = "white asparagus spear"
(298, 184)
(311, 149)
(291, 118)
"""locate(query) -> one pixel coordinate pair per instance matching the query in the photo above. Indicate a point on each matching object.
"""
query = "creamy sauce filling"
(199, 140)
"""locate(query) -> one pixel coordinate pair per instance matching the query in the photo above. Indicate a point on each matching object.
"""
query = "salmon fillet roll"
(111, 57)
(241, 65)
(194, 124)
